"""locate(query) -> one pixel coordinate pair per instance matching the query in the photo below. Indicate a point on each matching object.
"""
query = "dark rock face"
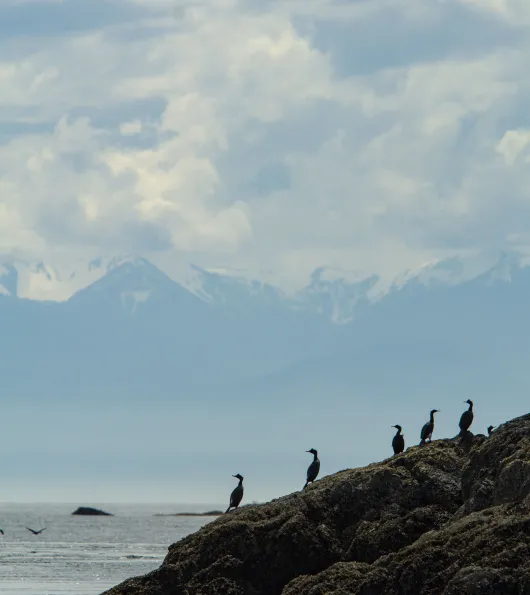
(451, 518)
(86, 510)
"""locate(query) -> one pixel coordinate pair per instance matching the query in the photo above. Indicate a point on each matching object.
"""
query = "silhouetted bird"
(490, 428)
(466, 419)
(313, 469)
(237, 494)
(398, 442)
(36, 532)
(2, 531)
(428, 428)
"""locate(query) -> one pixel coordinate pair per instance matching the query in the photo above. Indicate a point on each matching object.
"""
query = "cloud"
(267, 135)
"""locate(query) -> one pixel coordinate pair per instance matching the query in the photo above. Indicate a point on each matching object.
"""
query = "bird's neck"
(398, 432)
(315, 456)
(240, 482)
(470, 407)
(432, 418)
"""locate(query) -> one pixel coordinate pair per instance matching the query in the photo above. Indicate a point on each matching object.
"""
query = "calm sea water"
(85, 555)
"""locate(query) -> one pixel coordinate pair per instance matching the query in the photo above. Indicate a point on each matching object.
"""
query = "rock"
(208, 513)
(448, 518)
(86, 510)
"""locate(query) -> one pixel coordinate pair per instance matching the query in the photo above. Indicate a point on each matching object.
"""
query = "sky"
(269, 136)
(187, 454)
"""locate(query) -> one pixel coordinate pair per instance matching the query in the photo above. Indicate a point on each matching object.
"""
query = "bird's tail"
(228, 509)
(306, 484)
(422, 442)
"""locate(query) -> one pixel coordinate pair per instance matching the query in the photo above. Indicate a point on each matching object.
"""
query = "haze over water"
(79, 555)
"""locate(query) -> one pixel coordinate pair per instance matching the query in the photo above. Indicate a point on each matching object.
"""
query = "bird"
(36, 532)
(313, 469)
(398, 442)
(490, 428)
(466, 419)
(428, 428)
(237, 494)
(2, 531)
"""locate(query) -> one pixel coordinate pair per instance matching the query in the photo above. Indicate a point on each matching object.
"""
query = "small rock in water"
(86, 510)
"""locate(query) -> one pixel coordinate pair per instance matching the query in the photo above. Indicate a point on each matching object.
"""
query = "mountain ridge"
(337, 293)
(135, 331)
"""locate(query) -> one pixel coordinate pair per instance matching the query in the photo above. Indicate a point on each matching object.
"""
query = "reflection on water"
(85, 555)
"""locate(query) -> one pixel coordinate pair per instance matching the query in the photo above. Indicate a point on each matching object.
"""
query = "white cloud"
(512, 144)
(270, 135)
(516, 11)
(131, 128)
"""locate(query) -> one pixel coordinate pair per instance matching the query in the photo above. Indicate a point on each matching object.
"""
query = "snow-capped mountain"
(31, 280)
(134, 330)
(330, 293)
(457, 270)
(227, 289)
(337, 295)
(44, 281)
(130, 283)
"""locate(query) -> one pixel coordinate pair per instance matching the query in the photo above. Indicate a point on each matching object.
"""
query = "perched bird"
(36, 532)
(466, 419)
(2, 531)
(428, 428)
(237, 494)
(398, 442)
(490, 428)
(313, 469)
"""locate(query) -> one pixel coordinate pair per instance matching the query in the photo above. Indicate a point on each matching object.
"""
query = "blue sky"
(268, 136)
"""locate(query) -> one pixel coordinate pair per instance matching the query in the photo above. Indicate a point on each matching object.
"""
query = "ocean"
(81, 555)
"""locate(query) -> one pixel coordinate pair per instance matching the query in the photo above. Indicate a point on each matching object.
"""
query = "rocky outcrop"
(451, 517)
(87, 511)
(208, 513)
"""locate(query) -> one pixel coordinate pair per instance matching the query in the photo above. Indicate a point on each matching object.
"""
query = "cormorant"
(398, 442)
(313, 469)
(466, 419)
(490, 428)
(428, 428)
(237, 494)
(36, 532)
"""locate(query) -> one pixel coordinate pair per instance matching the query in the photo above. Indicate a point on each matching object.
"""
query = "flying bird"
(237, 494)
(313, 469)
(398, 442)
(36, 532)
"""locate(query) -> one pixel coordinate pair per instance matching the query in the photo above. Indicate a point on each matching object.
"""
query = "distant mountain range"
(122, 328)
